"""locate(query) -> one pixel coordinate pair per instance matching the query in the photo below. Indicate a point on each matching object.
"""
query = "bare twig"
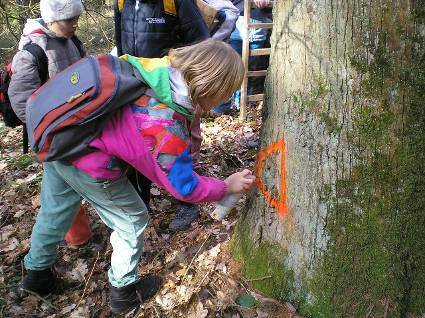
(156, 311)
(202, 280)
(87, 281)
(48, 303)
(97, 12)
(9, 286)
(6, 17)
(370, 310)
(5, 220)
(259, 278)
(98, 24)
(386, 308)
(196, 254)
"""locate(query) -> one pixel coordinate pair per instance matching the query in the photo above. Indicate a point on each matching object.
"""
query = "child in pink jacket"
(150, 134)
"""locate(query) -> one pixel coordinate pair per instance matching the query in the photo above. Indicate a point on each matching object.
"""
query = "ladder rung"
(255, 98)
(257, 73)
(270, 5)
(257, 52)
(260, 25)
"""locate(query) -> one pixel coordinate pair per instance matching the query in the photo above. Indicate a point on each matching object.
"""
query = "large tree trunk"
(337, 225)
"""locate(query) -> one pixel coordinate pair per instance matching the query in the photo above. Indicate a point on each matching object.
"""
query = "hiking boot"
(186, 213)
(125, 299)
(41, 282)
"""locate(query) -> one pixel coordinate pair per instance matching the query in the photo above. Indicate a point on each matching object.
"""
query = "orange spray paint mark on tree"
(279, 204)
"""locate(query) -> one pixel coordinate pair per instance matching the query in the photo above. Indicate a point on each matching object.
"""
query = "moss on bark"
(374, 260)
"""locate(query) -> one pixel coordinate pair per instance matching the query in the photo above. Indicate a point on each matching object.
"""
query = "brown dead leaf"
(19, 213)
(35, 202)
(67, 309)
(81, 312)
(184, 293)
(197, 310)
(9, 245)
(79, 271)
(155, 191)
(167, 301)
(181, 272)
(3, 165)
(30, 303)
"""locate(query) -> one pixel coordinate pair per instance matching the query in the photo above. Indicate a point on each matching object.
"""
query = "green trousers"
(117, 203)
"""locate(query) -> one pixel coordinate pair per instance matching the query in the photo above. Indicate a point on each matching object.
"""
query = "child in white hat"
(47, 46)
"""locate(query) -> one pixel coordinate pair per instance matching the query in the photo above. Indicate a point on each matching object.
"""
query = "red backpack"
(9, 117)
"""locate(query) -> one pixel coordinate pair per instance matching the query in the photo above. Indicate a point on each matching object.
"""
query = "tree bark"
(339, 215)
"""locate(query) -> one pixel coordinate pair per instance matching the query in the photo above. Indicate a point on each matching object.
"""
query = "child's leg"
(121, 208)
(142, 185)
(59, 203)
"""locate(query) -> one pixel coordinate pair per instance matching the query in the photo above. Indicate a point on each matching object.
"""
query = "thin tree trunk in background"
(339, 216)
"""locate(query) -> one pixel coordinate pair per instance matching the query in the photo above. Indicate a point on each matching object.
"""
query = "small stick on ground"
(193, 259)
(200, 283)
(9, 286)
(386, 308)
(259, 278)
(370, 310)
(156, 311)
(48, 303)
(87, 281)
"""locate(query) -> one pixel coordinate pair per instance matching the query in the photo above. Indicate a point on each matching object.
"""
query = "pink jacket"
(155, 140)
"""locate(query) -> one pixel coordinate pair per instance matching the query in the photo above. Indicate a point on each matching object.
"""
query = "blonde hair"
(211, 68)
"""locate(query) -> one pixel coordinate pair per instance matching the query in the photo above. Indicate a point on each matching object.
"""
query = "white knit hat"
(56, 10)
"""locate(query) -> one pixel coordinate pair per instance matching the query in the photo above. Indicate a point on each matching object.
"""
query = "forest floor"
(200, 277)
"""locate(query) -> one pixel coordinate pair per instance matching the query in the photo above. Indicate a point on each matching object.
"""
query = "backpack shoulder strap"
(170, 7)
(41, 60)
(79, 46)
(120, 5)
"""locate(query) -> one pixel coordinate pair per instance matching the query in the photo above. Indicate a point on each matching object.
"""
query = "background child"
(150, 134)
(258, 38)
(226, 17)
(54, 33)
(149, 29)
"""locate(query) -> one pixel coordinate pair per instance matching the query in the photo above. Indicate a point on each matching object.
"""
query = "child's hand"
(261, 3)
(240, 181)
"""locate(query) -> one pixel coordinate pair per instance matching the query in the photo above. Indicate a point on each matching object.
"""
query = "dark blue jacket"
(143, 28)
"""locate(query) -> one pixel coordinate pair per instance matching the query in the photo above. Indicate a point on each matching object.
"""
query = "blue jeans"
(117, 203)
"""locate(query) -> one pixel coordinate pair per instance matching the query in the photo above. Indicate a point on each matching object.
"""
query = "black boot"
(186, 213)
(126, 298)
(40, 282)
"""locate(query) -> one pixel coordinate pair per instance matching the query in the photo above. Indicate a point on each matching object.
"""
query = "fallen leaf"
(19, 214)
(181, 272)
(6, 232)
(3, 165)
(197, 311)
(68, 309)
(246, 300)
(81, 312)
(35, 202)
(215, 250)
(167, 301)
(30, 303)
(155, 191)
(9, 245)
(79, 271)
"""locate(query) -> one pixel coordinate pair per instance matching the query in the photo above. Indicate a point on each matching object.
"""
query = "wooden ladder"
(246, 53)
